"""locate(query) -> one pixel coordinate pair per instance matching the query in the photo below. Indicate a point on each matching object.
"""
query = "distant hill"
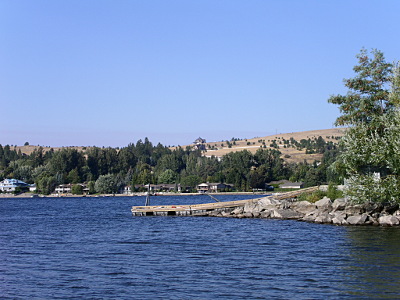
(221, 148)
(289, 154)
(30, 148)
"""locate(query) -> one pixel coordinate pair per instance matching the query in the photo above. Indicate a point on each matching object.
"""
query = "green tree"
(46, 184)
(368, 93)
(73, 176)
(257, 179)
(168, 176)
(77, 189)
(91, 186)
(190, 181)
(370, 160)
(106, 184)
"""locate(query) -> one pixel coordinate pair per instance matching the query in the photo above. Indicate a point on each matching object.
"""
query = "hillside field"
(291, 155)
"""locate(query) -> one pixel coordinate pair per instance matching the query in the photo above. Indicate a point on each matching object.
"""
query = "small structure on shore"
(292, 185)
(213, 187)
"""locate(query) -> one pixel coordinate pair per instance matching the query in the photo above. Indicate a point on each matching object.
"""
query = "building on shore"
(11, 185)
(213, 187)
(63, 189)
(155, 188)
(292, 185)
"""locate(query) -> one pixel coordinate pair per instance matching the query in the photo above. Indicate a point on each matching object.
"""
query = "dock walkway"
(204, 209)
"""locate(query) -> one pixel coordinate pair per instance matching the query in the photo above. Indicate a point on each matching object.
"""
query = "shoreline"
(33, 195)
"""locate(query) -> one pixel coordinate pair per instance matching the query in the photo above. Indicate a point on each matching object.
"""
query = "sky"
(111, 72)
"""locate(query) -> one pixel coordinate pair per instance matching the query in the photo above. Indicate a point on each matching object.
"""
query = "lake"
(92, 248)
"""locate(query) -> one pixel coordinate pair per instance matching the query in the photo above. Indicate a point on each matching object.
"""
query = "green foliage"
(333, 192)
(91, 187)
(190, 181)
(368, 91)
(370, 160)
(313, 197)
(168, 176)
(46, 184)
(73, 176)
(143, 163)
(257, 179)
(368, 188)
(77, 189)
(106, 184)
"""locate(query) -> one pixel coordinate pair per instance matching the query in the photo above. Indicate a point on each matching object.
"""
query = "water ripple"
(94, 248)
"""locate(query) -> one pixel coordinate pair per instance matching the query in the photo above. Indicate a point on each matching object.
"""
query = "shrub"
(333, 193)
(313, 197)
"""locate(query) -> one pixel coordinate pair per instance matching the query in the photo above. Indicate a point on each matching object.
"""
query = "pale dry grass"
(255, 144)
(296, 156)
(30, 148)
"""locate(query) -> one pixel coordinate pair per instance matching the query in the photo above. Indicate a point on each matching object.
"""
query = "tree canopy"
(369, 90)
(370, 160)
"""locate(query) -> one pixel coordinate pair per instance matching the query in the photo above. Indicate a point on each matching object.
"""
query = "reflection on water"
(372, 265)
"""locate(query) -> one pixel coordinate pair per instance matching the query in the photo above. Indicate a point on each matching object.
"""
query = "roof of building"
(292, 184)
(13, 182)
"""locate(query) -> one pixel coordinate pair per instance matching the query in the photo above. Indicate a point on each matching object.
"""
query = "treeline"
(108, 169)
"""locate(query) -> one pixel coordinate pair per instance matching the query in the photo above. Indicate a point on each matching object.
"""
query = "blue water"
(92, 248)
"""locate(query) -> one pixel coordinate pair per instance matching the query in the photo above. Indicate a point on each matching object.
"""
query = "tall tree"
(368, 93)
(370, 160)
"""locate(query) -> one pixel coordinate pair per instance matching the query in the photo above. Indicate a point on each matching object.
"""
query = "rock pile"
(339, 212)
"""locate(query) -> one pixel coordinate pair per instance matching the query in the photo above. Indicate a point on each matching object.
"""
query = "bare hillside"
(219, 149)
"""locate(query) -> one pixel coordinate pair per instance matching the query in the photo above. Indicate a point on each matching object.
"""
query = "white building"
(292, 185)
(32, 187)
(212, 187)
(63, 189)
(9, 185)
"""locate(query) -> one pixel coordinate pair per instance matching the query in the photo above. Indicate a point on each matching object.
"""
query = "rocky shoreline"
(324, 211)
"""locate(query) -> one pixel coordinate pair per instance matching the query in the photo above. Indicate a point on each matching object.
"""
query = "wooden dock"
(206, 208)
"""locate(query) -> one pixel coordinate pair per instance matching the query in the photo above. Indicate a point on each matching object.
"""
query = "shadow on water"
(371, 265)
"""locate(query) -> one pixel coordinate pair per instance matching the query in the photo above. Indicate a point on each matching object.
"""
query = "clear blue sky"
(107, 73)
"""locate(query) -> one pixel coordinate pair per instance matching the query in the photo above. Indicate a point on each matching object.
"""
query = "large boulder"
(286, 214)
(356, 209)
(388, 220)
(237, 211)
(226, 214)
(285, 204)
(323, 218)
(324, 203)
(357, 220)
(251, 207)
(339, 219)
(339, 204)
(267, 203)
(303, 207)
(266, 214)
